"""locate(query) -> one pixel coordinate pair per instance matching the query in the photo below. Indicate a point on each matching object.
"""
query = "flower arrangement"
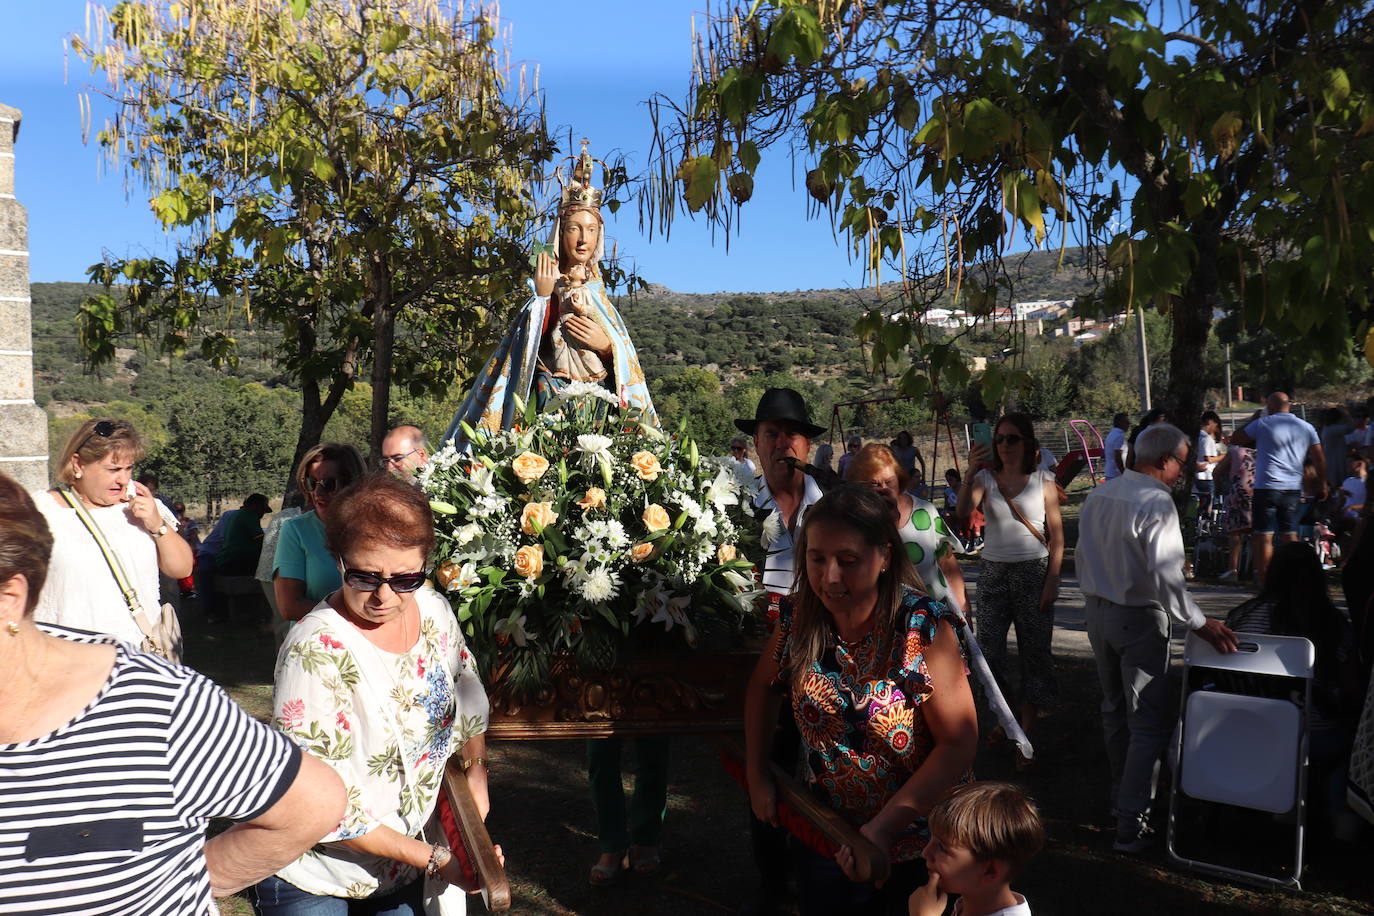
(579, 527)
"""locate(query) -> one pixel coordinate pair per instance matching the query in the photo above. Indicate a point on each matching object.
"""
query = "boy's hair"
(993, 820)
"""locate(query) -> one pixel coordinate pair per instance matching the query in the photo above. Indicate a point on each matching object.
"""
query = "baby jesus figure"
(566, 355)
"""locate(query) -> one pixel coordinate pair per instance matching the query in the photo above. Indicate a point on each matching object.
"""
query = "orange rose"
(655, 519)
(646, 465)
(529, 467)
(641, 552)
(529, 561)
(595, 499)
(540, 514)
(447, 573)
(726, 553)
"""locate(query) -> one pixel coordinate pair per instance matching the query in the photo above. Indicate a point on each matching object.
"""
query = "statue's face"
(581, 235)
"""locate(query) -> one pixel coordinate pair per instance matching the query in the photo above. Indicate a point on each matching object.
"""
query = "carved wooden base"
(687, 693)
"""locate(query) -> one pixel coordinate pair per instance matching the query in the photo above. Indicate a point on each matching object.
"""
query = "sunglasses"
(324, 484)
(104, 429)
(360, 580)
(1008, 438)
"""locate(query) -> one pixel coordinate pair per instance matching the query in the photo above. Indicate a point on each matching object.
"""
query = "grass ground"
(541, 815)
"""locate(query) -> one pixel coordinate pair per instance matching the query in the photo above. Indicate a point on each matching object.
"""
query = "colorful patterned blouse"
(386, 722)
(859, 716)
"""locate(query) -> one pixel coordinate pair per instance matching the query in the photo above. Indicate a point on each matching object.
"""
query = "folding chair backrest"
(1259, 653)
(1229, 751)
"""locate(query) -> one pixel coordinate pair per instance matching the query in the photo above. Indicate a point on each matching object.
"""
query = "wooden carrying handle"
(796, 803)
(474, 839)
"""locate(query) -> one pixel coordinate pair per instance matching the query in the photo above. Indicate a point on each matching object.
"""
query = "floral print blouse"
(386, 722)
(860, 717)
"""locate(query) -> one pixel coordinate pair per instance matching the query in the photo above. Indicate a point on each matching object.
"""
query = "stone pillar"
(23, 425)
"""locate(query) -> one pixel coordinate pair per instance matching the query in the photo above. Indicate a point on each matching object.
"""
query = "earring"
(13, 628)
(77, 475)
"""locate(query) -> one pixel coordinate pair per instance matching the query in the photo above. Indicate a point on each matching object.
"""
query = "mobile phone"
(982, 435)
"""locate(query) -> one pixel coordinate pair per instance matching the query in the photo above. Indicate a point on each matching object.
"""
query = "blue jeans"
(274, 897)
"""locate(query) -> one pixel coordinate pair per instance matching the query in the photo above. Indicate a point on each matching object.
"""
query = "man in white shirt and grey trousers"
(1129, 561)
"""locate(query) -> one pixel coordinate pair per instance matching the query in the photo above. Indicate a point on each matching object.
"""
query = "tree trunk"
(383, 340)
(1191, 317)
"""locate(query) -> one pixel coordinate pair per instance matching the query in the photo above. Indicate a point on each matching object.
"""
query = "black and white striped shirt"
(108, 813)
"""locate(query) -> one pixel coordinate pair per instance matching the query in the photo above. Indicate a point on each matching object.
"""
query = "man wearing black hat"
(782, 429)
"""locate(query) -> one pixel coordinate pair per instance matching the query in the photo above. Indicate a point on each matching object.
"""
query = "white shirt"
(1206, 448)
(1005, 538)
(1020, 908)
(777, 538)
(1115, 445)
(1130, 548)
(81, 591)
(1047, 461)
(352, 704)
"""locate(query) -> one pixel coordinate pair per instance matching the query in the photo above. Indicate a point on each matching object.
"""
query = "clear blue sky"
(598, 61)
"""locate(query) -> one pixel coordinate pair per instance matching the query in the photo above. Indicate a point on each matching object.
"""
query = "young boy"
(981, 835)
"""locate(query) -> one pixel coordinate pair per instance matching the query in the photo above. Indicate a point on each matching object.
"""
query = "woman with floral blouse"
(377, 682)
(879, 692)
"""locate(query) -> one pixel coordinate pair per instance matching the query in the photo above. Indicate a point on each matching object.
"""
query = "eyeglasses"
(1008, 438)
(325, 484)
(397, 459)
(360, 580)
(104, 429)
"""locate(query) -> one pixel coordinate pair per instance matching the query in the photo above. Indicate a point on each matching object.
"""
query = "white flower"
(592, 444)
(480, 480)
(587, 389)
(724, 490)
(465, 533)
(488, 505)
(773, 529)
(513, 629)
(672, 610)
(706, 524)
(598, 585)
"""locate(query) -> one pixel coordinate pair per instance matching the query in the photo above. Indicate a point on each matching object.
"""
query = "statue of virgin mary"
(567, 332)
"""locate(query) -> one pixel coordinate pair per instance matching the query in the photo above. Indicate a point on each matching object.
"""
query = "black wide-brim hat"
(781, 405)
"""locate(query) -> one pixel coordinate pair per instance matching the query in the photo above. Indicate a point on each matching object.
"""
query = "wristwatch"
(161, 530)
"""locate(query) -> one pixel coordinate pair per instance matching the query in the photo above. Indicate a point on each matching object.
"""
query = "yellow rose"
(641, 552)
(540, 514)
(726, 553)
(645, 465)
(655, 519)
(529, 561)
(528, 466)
(595, 499)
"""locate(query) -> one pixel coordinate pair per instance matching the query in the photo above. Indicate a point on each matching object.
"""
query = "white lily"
(723, 491)
(773, 529)
(514, 629)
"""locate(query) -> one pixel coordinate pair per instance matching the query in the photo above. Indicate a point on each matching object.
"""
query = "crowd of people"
(863, 684)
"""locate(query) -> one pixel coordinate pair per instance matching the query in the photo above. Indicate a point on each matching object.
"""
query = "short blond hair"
(992, 820)
(88, 445)
(348, 458)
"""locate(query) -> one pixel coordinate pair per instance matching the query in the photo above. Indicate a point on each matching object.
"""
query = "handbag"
(162, 638)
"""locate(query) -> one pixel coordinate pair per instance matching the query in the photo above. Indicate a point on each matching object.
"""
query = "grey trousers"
(1131, 649)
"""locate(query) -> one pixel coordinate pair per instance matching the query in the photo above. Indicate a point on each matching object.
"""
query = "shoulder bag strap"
(121, 579)
(1020, 516)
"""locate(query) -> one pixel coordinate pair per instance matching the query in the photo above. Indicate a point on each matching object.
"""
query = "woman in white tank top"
(1023, 547)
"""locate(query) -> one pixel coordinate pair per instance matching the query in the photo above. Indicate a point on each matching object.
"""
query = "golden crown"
(579, 193)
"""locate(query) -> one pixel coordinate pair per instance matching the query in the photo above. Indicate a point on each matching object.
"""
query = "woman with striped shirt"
(112, 763)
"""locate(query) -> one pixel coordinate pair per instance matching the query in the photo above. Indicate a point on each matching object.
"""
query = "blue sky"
(598, 62)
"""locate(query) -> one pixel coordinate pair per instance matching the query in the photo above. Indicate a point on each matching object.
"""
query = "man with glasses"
(1130, 566)
(404, 452)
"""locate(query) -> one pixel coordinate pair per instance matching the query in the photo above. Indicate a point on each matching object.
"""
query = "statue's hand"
(545, 275)
(587, 334)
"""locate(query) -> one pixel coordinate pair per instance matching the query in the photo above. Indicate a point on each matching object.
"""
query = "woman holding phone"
(1023, 547)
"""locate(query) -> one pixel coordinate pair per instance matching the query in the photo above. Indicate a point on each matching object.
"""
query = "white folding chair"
(1242, 747)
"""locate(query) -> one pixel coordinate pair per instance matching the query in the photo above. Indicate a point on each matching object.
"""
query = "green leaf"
(299, 8)
(1335, 88)
(748, 156)
(699, 178)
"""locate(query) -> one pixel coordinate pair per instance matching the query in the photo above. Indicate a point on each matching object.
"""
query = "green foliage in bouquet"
(580, 527)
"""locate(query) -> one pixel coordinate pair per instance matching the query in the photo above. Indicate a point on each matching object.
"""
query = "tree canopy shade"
(1212, 154)
(328, 167)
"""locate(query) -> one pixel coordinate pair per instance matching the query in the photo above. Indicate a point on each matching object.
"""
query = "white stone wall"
(23, 425)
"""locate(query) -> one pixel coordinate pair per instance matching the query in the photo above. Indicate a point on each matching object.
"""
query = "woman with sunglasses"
(304, 572)
(1023, 547)
(377, 682)
(95, 468)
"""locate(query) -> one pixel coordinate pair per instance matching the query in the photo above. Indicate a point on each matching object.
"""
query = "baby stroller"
(1211, 548)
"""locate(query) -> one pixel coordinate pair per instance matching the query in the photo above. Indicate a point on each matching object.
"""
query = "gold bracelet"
(473, 761)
